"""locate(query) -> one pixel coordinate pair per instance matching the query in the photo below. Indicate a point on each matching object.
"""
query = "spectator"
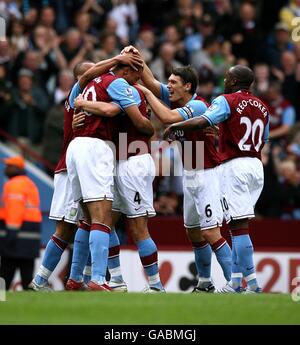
(246, 37)
(18, 39)
(73, 50)
(108, 49)
(163, 65)
(53, 133)
(289, 78)
(223, 14)
(83, 24)
(65, 83)
(289, 12)
(146, 43)
(5, 98)
(21, 220)
(47, 18)
(282, 113)
(262, 79)
(172, 36)
(210, 57)
(30, 105)
(279, 43)
(126, 16)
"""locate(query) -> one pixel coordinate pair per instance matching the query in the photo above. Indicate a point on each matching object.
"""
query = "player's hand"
(133, 60)
(143, 89)
(78, 120)
(168, 134)
(212, 131)
(130, 49)
(79, 101)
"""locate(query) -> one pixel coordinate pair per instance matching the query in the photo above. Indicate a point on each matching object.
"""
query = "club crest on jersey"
(129, 92)
(98, 80)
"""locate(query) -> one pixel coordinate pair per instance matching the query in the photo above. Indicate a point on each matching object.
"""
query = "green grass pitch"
(100, 308)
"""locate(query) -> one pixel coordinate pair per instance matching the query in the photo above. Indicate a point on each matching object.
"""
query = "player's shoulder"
(197, 106)
(197, 103)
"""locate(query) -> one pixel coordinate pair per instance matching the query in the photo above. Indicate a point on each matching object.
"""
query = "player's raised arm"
(150, 82)
(165, 114)
(104, 66)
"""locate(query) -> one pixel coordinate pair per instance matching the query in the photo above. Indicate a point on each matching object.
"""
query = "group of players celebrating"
(97, 178)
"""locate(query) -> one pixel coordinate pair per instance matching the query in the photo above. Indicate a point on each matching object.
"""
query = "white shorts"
(133, 187)
(242, 180)
(63, 206)
(90, 165)
(201, 199)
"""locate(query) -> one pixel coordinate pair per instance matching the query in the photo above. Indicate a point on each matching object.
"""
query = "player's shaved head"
(243, 74)
(238, 77)
(81, 68)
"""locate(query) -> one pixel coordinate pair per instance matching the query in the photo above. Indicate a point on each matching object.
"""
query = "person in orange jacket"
(20, 223)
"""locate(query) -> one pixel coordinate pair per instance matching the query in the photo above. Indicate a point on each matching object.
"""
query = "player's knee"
(138, 233)
(211, 235)
(195, 235)
(65, 231)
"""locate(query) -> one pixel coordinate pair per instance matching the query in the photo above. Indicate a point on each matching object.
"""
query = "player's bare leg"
(55, 247)
(203, 255)
(243, 263)
(101, 221)
(147, 250)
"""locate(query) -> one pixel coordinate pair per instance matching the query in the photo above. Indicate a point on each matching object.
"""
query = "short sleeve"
(74, 93)
(219, 111)
(192, 109)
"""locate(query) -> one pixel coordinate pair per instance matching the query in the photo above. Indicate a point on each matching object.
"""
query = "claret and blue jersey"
(194, 108)
(243, 120)
(123, 94)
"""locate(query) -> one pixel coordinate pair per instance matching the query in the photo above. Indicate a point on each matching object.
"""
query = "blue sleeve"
(289, 115)
(123, 94)
(219, 111)
(192, 109)
(266, 132)
(164, 94)
(74, 93)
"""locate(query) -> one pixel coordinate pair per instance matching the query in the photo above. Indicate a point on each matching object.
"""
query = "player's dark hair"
(188, 75)
(243, 75)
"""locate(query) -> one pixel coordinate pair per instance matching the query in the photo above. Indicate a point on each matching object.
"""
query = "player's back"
(242, 134)
(96, 126)
(123, 124)
(68, 135)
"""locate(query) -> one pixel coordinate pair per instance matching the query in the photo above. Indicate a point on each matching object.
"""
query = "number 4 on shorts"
(137, 198)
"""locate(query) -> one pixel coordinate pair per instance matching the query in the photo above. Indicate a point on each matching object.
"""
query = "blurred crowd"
(45, 39)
